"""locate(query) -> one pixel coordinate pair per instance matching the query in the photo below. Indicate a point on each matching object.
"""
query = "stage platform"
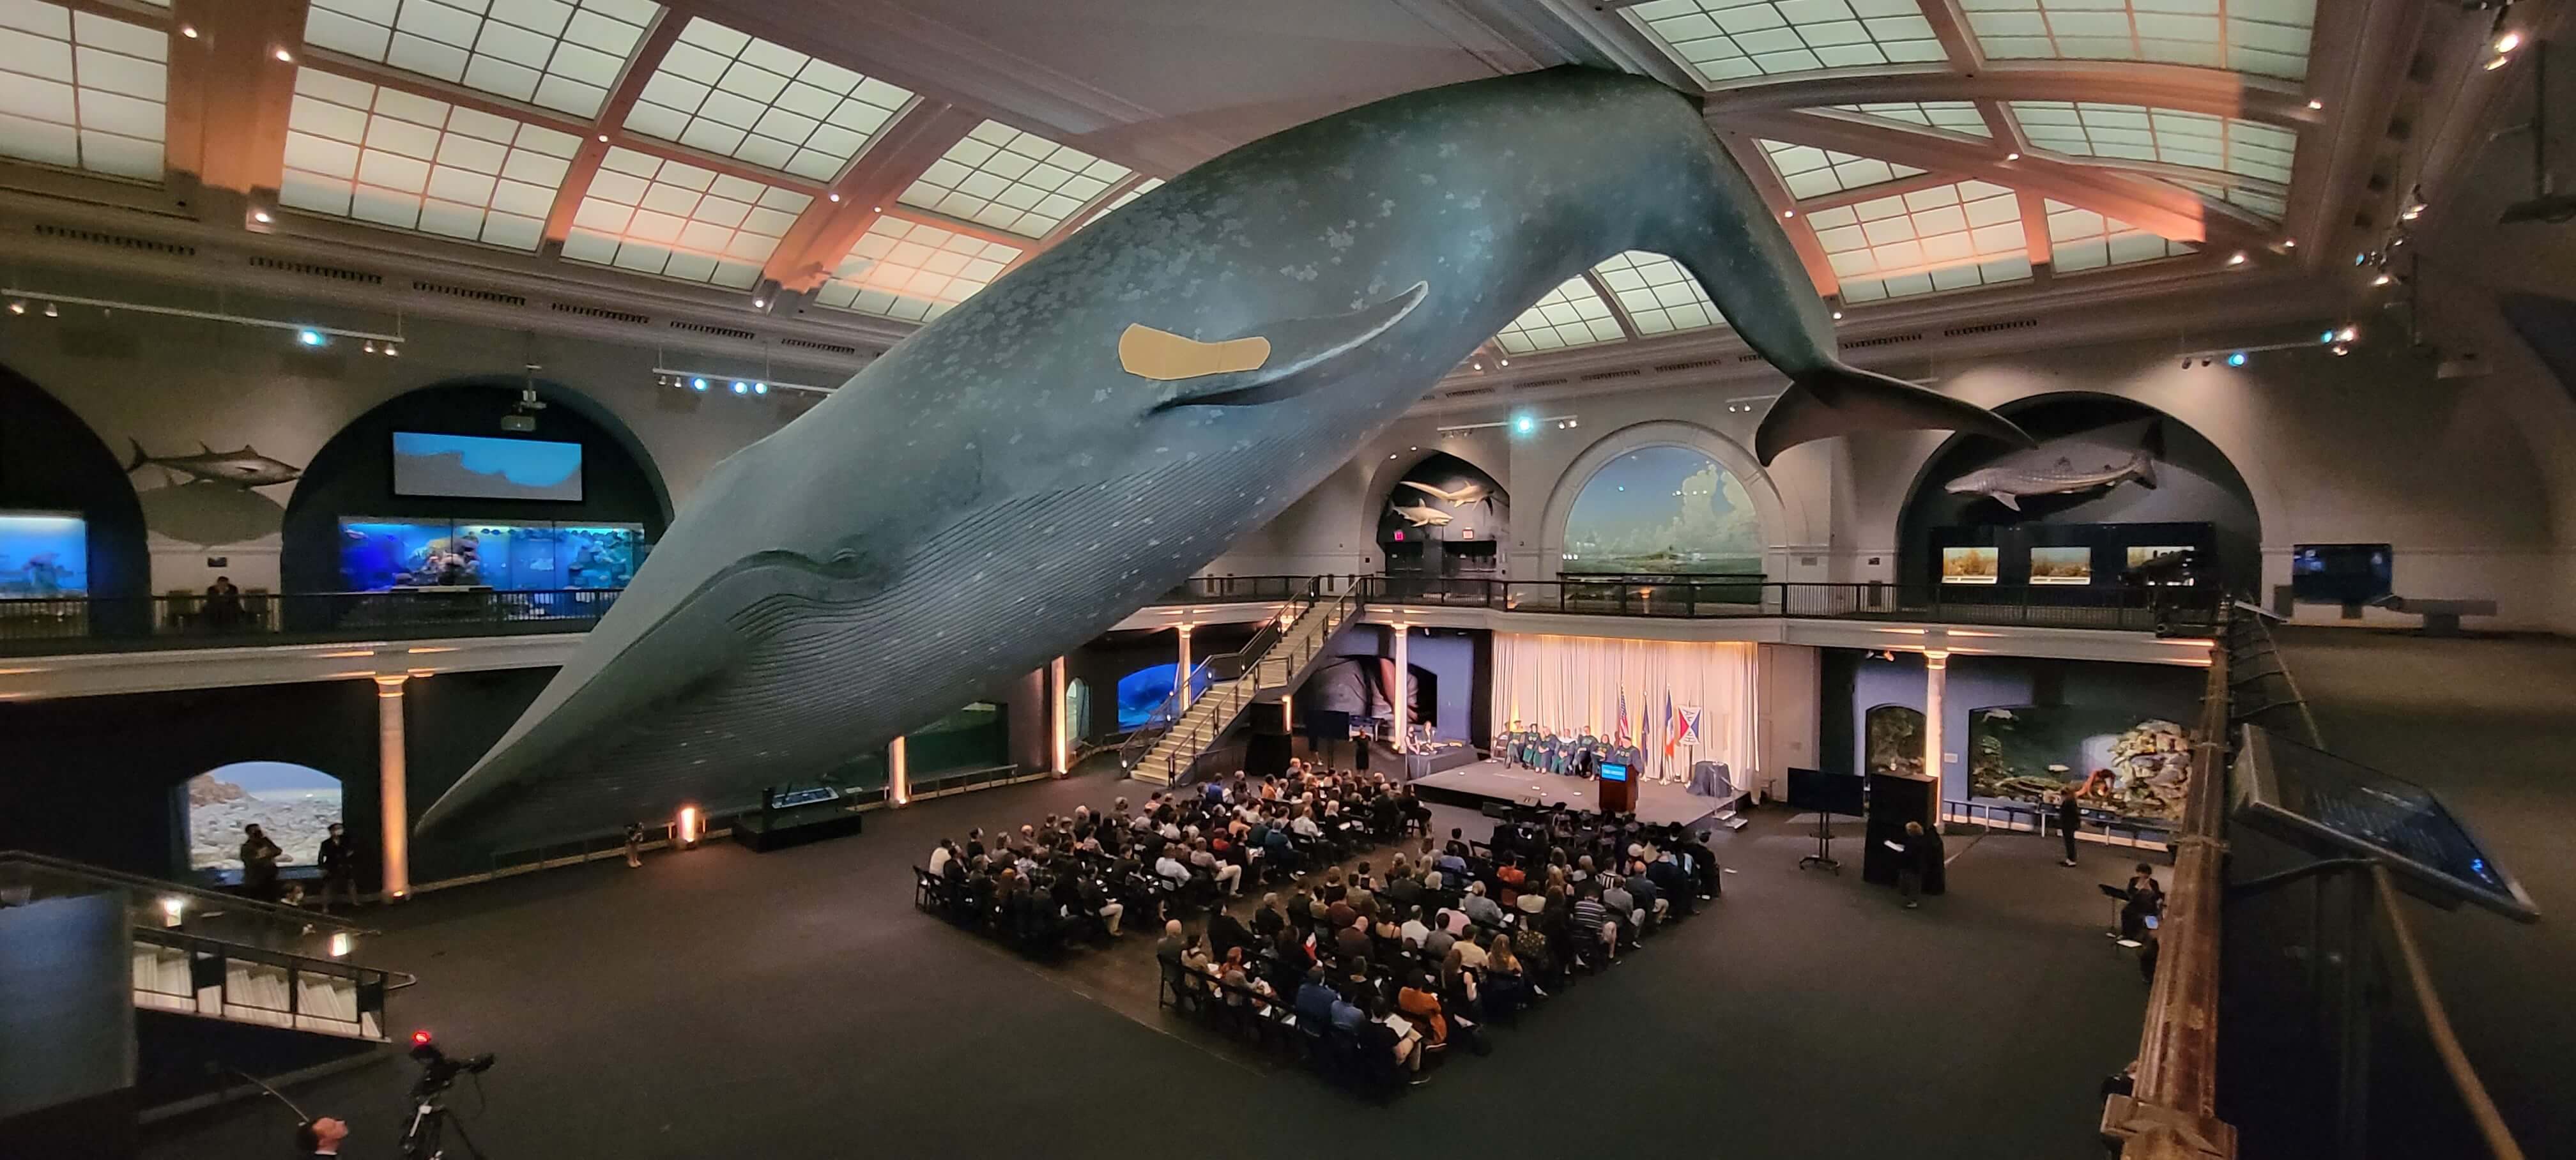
(1658, 803)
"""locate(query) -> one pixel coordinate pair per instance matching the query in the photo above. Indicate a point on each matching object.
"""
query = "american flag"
(1622, 735)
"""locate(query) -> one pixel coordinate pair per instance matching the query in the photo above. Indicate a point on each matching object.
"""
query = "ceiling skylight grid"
(1569, 316)
(653, 216)
(2268, 37)
(1016, 182)
(1812, 172)
(1955, 116)
(1115, 204)
(737, 95)
(2138, 133)
(81, 90)
(392, 158)
(2080, 239)
(559, 54)
(1728, 40)
(1950, 237)
(1659, 296)
(912, 271)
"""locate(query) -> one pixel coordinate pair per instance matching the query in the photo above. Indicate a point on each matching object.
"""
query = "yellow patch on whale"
(1159, 354)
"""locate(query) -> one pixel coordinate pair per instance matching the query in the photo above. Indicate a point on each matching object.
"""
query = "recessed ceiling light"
(285, 57)
(1788, 213)
(2382, 280)
(2236, 259)
(603, 138)
(188, 30)
(1838, 316)
(2498, 62)
(836, 197)
(2012, 156)
(2508, 42)
(1503, 361)
(2289, 243)
(261, 216)
(760, 303)
(2315, 105)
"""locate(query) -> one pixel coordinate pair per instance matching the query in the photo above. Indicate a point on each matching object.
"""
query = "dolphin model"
(244, 468)
(1016, 476)
(1421, 515)
(2064, 467)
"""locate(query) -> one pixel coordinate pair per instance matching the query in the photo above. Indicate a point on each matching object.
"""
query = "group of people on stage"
(1567, 752)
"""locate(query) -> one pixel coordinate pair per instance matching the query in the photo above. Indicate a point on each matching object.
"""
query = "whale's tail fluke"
(1835, 399)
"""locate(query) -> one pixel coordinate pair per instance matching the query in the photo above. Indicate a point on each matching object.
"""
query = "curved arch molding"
(1770, 511)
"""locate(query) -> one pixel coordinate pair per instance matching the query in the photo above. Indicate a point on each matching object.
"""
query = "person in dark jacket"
(1916, 854)
(2070, 818)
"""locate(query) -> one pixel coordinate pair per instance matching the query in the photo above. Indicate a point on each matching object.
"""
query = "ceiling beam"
(1950, 23)
(229, 99)
(827, 229)
(2163, 86)
(2035, 241)
(1618, 312)
(2166, 210)
(2358, 67)
(605, 127)
(1783, 206)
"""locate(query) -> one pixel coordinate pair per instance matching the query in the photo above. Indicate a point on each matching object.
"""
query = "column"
(1401, 695)
(392, 799)
(1936, 679)
(1181, 672)
(898, 775)
(1058, 744)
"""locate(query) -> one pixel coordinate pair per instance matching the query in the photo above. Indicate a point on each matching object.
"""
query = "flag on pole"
(1621, 737)
(1670, 735)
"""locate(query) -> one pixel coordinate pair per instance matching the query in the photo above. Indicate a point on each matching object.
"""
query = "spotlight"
(392, 351)
(2382, 280)
(52, 311)
(2289, 243)
(836, 198)
(2361, 259)
(285, 57)
(1788, 213)
(17, 307)
(309, 337)
(2327, 337)
(2341, 349)
(188, 30)
(172, 906)
(687, 830)
(340, 941)
(2508, 42)
(369, 347)
(1524, 425)
(1838, 316)
(760, 304)
(2237, 359)
(1572, 423)
(2204, 361)
(261, 216)
(1475, 366)
(2348, 334)
(760, 388)
(603, 138)
(2236, 259)
(1502, 362)
(741, 388)
(2012, 156)
(697, 384)
(2314, 106)
(2496, 63)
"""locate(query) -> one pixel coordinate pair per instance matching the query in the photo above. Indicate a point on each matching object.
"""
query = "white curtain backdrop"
(1575, 682)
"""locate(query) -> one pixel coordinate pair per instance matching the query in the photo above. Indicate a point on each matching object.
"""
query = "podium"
(1618, 784)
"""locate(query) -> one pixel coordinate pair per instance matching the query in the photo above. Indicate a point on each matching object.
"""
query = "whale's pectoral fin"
(1299, 354)
(1837, 400)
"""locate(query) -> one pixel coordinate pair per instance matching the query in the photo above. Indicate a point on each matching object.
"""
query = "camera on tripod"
(438, 1071)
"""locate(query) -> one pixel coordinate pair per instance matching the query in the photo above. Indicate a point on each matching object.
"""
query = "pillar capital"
(391, 684)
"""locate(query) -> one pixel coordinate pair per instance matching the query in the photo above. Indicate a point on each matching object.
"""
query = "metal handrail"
(1314, 620)
(379, 980)
(230, 903)
(1167, 715)
(2437, 1021)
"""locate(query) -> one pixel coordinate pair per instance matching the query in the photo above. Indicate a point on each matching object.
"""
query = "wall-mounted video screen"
(1970, 565)
(2341, 573)
(381, 554)
(478, 467)
(43, 554)
(2061, 565)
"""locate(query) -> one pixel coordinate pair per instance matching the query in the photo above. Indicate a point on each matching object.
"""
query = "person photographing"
(320, 1137)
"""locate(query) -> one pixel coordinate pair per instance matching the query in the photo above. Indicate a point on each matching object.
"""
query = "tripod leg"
(468, 1141)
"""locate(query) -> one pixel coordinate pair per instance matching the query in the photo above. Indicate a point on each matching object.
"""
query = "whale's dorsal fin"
(1292, 356)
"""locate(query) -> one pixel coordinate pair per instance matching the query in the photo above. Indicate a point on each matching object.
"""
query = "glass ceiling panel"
(2080, 239)
(740, 96)
(1955, 116)
(1569, 316)
(913, 272)
(1728, 40)
(1812, 172)
(1013, 181)
(2268, 37)
(653, 216)
(1659, 296)
(2138, 133)
(559, 54)
(390, 158)
(2267, 204)
(1140, 189)
(82, 91)
(1950, 237)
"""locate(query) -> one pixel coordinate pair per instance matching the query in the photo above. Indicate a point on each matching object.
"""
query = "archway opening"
(293, 805)
(70, 526)
(1662, 510)
(1444, 518)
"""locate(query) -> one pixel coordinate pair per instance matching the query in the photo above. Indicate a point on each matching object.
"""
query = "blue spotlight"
(2325, 338)
(309, 337)
(741, 388)
(697, 384)
(760, 388)
(1524, 424)
(2237, 359)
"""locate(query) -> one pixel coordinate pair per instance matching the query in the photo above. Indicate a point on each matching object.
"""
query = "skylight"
(1012, 181)
(391, 158)
(2269, 37)
(662, 217)
(913, 272)
(1115, 204)
(1812, 172)
(1571, 315)
(1729, 40)
(2080, 239)
(740, 96)
(1950, 237)
(1955, 116)
(1658, 295)
(560, 54)
(82, 91)
(2137, 133)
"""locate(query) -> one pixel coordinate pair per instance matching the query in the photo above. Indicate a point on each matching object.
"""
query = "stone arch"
(1769, 509)
(56, 462)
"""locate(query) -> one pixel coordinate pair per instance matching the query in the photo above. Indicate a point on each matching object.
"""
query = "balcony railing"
(33, 627)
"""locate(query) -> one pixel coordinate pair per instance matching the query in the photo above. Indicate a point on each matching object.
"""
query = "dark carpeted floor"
(725, 1003)
(2488, 724)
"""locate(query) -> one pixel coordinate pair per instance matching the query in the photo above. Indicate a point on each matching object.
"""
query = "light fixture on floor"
(172, 906)
(341, 941)
(686, 831)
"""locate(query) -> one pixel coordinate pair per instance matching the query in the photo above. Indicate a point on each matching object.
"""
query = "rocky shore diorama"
(294, 804)
(2116, 761)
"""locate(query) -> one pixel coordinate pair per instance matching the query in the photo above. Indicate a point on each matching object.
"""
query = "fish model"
(1463, 496)
(244, 468)
(2064, 467)
(1421, 515)
(1016, 476)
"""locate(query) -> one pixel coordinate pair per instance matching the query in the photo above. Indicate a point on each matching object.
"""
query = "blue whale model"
(1014, 478)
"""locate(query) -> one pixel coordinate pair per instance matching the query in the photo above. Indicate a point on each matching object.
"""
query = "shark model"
(1016, 476)
(244, 468)
(2064, 467)
(1422, 515)
(1461, 497)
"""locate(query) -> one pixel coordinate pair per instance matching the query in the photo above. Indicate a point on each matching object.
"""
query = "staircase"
(1271, 663)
